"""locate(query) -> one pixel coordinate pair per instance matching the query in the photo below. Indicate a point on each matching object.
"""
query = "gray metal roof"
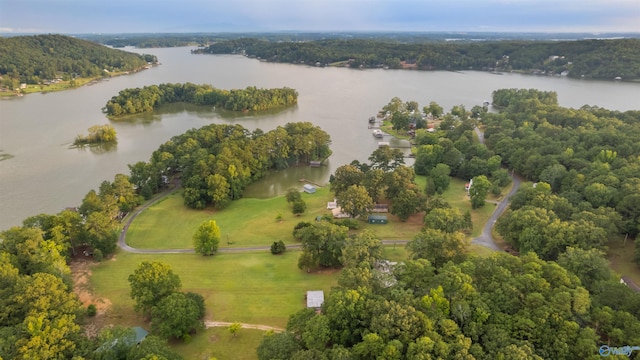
(315, 298)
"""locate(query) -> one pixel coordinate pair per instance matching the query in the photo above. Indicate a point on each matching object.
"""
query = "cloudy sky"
(119, 16)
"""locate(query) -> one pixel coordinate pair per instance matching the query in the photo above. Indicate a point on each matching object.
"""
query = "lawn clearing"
(169, 224)
(249, 287)
(620, 257)
(220, 344)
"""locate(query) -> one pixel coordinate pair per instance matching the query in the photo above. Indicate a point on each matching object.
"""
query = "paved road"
(486, 238)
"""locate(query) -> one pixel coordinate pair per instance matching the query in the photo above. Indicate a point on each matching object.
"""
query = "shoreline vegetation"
(139, 100)
(46, 63)
(617, 59)
(98, 135)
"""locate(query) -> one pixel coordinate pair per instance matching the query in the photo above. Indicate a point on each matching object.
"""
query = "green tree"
(322, 245)
(440, 176)
(406, 203)
(207, 238)
(400, 120)
(293, 195)
(589, 265)
(176, 315)
(355, 201)
(150, 283)
(235, 328)
(344, 177)
(438, 247)
(115, 343)
(448, 220)
(218, 189)
(299, 206)
(152, 346)
(479, 191)
(364, 248)
(277, 346)
(386, 158)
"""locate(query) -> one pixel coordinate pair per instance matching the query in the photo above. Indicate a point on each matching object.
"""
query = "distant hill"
(43, 58)
(596, 59)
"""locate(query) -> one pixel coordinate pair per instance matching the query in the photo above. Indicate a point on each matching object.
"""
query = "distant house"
(338, 214)
(380, 208)
(315, 299)
(308, 188)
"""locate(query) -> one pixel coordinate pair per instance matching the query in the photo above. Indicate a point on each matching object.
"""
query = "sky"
(161, 16)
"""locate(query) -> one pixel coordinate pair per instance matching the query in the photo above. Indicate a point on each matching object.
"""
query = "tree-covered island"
(148, 98)
(98, 134)
(595, 59)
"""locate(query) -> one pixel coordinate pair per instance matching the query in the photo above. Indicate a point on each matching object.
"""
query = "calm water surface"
(45, 175)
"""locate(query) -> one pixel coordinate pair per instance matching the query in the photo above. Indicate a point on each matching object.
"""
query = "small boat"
(378, 133)
(372, 120)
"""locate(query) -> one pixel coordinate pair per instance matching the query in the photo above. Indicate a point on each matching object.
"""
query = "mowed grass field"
(220, 344)
(249, 287)
(250, 222)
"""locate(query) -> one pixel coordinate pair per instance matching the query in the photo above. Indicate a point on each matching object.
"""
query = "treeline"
(33, 59)
(586, 165)
(42, 317)
(217, 162)
(469, 307)
(138, 100)
(597, 59)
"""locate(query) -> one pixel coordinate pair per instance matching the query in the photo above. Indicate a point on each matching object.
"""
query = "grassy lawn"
(220, 344)
(251, 287)
(621, 258)
(245, 222)
(169, 224)
(457, 197)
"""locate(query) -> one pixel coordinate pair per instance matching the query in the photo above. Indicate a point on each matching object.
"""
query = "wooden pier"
(310, 182)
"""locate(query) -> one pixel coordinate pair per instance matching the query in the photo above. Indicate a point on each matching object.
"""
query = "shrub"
(97, 255)
(92, 310)
(352, 224)
(278, 247)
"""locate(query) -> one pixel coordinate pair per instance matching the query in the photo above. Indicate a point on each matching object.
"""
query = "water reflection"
(98, 149)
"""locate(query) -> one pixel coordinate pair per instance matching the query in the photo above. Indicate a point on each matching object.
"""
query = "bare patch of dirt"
(214, 338)
(81, 270)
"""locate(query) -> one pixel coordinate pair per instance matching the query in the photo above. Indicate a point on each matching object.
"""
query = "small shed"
(332, 205)
(315, 299)
(308, 188)
(338, 214)
(315, 164)
(377, 219)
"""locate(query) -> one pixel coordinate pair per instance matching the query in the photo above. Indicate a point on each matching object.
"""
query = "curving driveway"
(486, 238)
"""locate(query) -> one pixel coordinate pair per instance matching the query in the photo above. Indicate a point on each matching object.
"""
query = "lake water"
(45, 175)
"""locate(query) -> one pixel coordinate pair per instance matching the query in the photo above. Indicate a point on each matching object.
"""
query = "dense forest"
(596, 59)
(34, 59)
(557, 300)
(586, 164)
(217, 162)
(138, 100)
(498, 307)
